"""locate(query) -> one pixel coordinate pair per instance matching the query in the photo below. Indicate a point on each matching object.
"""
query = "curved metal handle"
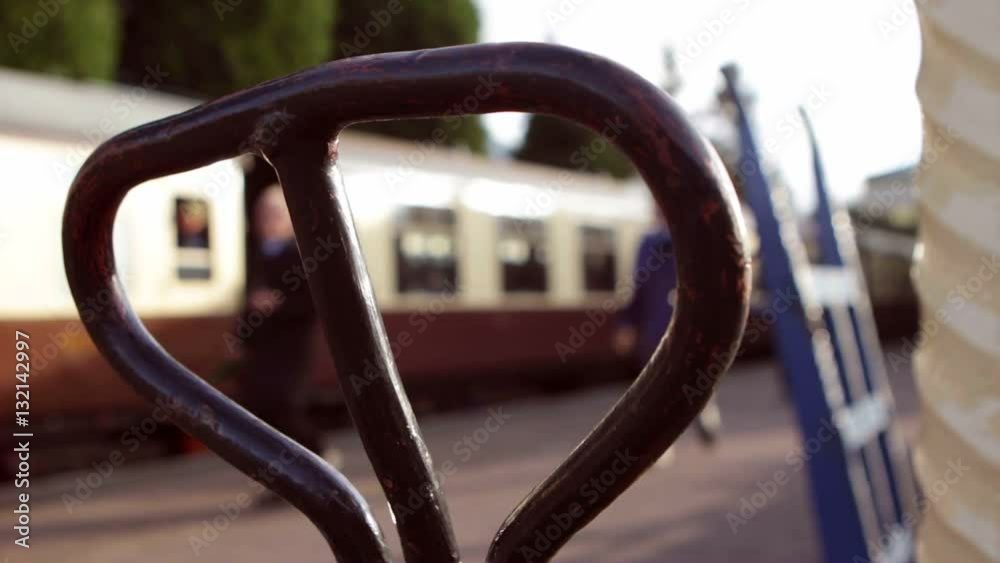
(683, 172)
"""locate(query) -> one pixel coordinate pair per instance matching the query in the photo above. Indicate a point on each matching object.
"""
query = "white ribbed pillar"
(957, 455)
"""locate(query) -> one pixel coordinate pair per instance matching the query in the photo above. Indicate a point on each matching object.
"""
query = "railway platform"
(703, 505)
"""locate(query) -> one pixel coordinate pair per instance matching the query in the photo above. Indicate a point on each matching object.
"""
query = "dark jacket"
(650, 310)
(291, 310)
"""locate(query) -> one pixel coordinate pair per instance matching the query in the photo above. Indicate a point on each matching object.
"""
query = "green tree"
(213, 47)
(75, 39)
(554, 141)
(366, 27)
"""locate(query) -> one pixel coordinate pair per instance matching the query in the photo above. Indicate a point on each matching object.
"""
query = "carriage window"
(522, 254)
(194, 258)
(425, 250)
(599, 271)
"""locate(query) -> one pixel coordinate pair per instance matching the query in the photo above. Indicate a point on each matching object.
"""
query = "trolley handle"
(682, 171)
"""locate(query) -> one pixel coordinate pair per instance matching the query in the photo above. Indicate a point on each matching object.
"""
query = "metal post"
(345, 303)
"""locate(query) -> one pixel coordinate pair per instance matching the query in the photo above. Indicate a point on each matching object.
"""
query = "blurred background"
(502, 249)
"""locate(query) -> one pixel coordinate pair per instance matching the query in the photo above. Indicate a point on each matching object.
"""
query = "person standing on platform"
(278, 353)
(643, 322)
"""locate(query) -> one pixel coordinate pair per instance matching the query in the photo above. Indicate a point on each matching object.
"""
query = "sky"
(852, 62)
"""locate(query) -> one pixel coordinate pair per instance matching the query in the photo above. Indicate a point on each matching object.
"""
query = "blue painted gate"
(859, 468)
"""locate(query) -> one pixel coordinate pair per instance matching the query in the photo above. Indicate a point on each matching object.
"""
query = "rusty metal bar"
(345, 303)
(684, 174)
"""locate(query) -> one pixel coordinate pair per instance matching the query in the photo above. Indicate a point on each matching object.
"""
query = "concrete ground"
(149, 511)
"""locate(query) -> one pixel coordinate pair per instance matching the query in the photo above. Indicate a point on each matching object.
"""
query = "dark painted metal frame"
(683, 172)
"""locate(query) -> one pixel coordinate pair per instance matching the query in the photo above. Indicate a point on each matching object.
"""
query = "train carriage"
(484, 271)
